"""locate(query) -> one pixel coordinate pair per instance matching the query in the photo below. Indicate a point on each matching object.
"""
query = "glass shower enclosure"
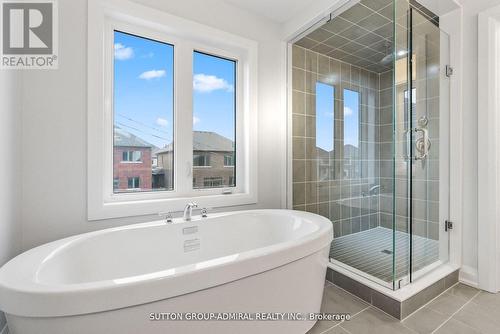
(370, 137)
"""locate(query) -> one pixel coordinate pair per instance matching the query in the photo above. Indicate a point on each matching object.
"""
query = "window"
(325, 115)
(228, 161)
(134, 182)
(131, 156)
(211, 182)
(325, 124)
(351, 134)
(201, 160)
(116, 183)
(181, 94)
(214, 114)
(143, 109)
(413, 107)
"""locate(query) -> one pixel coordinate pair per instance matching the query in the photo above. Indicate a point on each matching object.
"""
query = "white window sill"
(203, 197)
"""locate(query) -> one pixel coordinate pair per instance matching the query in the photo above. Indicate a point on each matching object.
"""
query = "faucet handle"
(167, 216)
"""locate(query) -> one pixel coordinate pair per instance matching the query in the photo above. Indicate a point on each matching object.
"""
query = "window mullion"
(183, 119)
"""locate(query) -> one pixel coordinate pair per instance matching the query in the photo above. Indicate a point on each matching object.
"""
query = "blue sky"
(351, 117)
(325, 116)
(143, 101)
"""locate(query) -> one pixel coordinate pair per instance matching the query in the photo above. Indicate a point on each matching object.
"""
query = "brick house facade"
(132, 162)
(213, 161)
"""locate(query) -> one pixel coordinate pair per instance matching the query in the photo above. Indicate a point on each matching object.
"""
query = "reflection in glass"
(351, 134)
(325, 115)
(214, 116)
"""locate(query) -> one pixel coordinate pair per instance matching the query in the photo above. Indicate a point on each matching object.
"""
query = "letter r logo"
(27, 28)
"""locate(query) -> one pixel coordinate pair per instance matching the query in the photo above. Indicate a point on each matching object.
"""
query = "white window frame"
(134, 177)
(186, 36)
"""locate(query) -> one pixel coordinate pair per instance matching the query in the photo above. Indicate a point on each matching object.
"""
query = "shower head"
(387, 59)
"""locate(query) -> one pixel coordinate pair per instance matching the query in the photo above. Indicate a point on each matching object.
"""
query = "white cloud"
(162, 122)
(347, 111)
(207, 83)
(122, 52)
(153, 74)
(196, 120)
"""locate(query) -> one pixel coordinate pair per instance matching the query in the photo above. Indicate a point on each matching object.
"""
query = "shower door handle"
(422, 144)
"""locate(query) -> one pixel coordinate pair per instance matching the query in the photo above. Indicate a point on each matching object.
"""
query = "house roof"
(206, 141)
(127, 139)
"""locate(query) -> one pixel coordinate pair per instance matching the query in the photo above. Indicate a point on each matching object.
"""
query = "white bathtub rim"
(28, 298)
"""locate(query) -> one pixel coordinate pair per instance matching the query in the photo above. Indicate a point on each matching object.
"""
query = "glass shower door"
(421, 144)
(428, 115)
(401, 123)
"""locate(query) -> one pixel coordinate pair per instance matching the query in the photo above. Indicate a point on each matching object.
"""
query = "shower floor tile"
(370, 251)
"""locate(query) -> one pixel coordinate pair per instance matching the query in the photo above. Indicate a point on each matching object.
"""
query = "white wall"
(10, 224)
(54, 120)
(470, 10)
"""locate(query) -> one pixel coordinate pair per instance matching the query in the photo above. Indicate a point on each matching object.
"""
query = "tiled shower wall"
(345, 200)
(425, 173)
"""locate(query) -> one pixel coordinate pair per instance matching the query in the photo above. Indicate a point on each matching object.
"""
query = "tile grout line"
(352, 317)
(448, 319)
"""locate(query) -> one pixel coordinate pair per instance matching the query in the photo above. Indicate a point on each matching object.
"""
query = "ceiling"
(278, 11)
(363, 34)
(360, 36)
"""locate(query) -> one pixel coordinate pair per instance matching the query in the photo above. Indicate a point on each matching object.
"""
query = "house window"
(131, 156)
(201, 160)
(211, 182)
(228, 160)
(143, 108)
(116, 183)
(134, 182)
(214, 114)
(325, 125)
(325, 115)
(180, 93)
(351, 134)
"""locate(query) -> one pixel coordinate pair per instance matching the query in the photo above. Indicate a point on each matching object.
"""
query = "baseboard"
(468, 276)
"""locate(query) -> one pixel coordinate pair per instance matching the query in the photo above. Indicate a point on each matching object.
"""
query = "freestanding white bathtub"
(121, 280)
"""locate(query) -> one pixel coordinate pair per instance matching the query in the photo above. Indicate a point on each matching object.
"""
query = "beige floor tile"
(425, 320)
(321, 327)
(490, 300)
(447, 303)
(462, 290)
(456, 327)
(336, 330)
(336, 300)
(374, 321)
(481, 317)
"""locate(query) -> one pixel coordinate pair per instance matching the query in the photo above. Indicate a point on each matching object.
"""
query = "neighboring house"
(351, 162)
(213, 161)
(131, 162)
